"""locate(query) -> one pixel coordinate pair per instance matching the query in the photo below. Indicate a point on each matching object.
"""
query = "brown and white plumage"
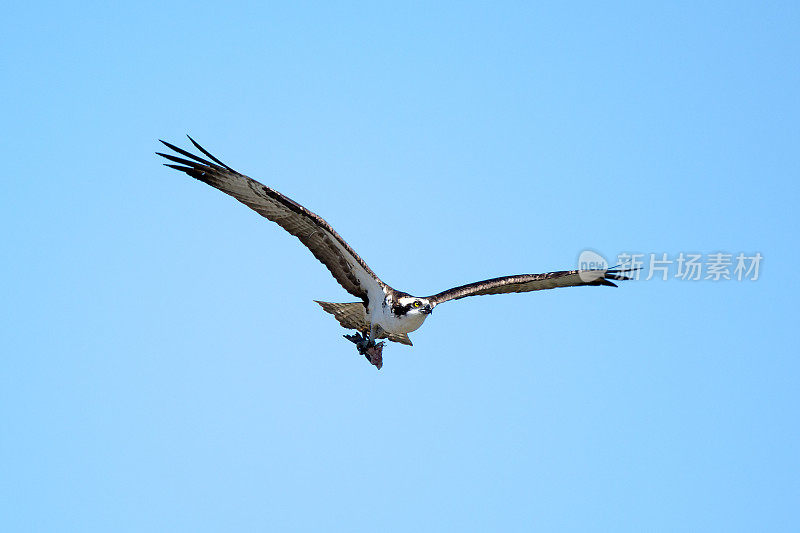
(533, 282)
(354, 316)
(383, 313)
(343, 262)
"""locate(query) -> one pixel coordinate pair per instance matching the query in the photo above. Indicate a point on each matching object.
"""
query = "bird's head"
(413, 306)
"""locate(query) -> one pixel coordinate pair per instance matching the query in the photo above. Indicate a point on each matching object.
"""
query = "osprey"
(383, 312)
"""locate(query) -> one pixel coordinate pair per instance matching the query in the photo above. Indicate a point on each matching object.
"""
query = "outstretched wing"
(347, 267)
(534, 282)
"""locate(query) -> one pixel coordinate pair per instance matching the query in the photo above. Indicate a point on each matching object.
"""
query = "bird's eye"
(417, 304)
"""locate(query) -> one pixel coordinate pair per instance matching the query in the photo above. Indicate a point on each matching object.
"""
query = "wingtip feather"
(196, 145)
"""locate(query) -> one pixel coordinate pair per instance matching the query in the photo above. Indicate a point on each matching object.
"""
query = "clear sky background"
(164, 367)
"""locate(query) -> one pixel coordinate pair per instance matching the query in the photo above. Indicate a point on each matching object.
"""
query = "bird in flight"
(382, 312)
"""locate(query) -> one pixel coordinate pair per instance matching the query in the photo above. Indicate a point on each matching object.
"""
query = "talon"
(368, 348)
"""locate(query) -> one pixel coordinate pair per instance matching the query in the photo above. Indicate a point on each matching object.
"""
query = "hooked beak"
(427, 310)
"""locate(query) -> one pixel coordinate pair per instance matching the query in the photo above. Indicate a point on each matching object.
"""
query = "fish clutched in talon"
(370, 349)
(375, 355)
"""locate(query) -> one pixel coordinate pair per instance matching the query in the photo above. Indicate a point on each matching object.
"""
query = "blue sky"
(164, 366)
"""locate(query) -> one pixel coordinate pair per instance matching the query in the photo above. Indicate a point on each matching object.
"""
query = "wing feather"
(535, 282)
(328, 247)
